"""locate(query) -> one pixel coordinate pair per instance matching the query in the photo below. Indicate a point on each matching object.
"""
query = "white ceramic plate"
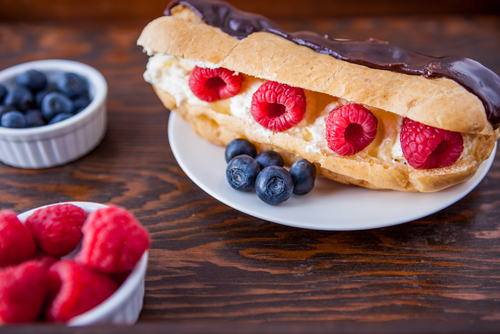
(329, 206)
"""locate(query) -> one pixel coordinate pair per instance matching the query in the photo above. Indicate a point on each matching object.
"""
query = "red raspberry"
(74, 288)
(427, 147)
(113, 240)
(16, 242)
(23, 290)
(277, 106)
(214, 84)
(350, 128)
(57, 229)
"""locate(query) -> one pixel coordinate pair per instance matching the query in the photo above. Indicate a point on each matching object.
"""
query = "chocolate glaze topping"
(476, 78)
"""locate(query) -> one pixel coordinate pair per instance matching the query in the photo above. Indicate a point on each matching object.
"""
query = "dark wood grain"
(213, 269)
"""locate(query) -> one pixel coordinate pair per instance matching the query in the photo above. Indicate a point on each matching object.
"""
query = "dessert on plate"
(365, 113)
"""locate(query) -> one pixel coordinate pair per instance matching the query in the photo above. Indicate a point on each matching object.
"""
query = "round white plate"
(329, 206)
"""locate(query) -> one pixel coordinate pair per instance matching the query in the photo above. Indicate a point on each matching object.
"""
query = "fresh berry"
(427, 147)
(350, 128)
(18, 97)
(211, 85)
(80, 103)
(41, 94)
(74, 288)
(57, 229)
(34, 118)
(16, 242)
(23, 291)
(60, 117)
(274, 185)
(13, 119)
(278, 107)
(269, 158)
(239, 146)
(303, 175)
(71, 84)
(241, 172)
(32, 80)
(55, 103)
(3, 92)
(113, 240)
(5, 109)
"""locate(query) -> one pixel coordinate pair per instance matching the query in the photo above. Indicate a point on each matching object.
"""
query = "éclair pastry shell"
(440, 102)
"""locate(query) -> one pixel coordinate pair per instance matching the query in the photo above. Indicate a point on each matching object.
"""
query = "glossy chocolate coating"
(476, 78)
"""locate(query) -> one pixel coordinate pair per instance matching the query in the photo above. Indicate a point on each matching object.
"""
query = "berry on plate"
(211, 85)
(350, 128)
(113, 240)
(74, 288)
(427, 147)
(57, 229)
(303, 175)
(269, 158)
(16, 242)
(274, 185)
(239, 146)
(241, 172)
(277, 106)
(23, 291)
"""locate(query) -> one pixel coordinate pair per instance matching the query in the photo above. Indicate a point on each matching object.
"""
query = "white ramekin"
(63, 142)
(122, 307)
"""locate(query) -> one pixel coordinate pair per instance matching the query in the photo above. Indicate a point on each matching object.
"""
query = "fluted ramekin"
(56, 144)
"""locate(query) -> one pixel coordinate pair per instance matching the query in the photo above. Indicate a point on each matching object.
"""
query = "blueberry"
(32, 80)
(80, 103)
(55, 103)
(303, 175)
(18, 97)
(240, 146)
(241, 172)
(6, 108)
(269, 158)
(71, 84)
(274, 185)
(41, 94)
(34, 118)
(3, 91)
(13, 119)
(60, 117)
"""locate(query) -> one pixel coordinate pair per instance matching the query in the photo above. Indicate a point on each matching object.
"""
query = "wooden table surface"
(213, 269)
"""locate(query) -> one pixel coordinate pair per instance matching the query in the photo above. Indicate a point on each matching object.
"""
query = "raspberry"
(214, 84)
(113, 240)
(350, 128)
(278, 107)
(73, 289)
(16, 242)
(57, 228)
(23, 291)
(426, 147)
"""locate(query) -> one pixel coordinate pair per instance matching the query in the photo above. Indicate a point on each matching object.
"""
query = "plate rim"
(469, 185)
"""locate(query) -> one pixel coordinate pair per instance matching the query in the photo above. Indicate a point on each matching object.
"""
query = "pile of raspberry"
(41, 280)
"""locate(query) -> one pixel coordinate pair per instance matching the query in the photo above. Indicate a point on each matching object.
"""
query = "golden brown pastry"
(182, 43)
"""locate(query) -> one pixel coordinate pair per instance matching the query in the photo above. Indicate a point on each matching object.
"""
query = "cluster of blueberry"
(273, 184)
(35, 101)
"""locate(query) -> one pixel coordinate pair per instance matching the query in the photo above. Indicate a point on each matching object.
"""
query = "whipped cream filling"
(171, 74)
